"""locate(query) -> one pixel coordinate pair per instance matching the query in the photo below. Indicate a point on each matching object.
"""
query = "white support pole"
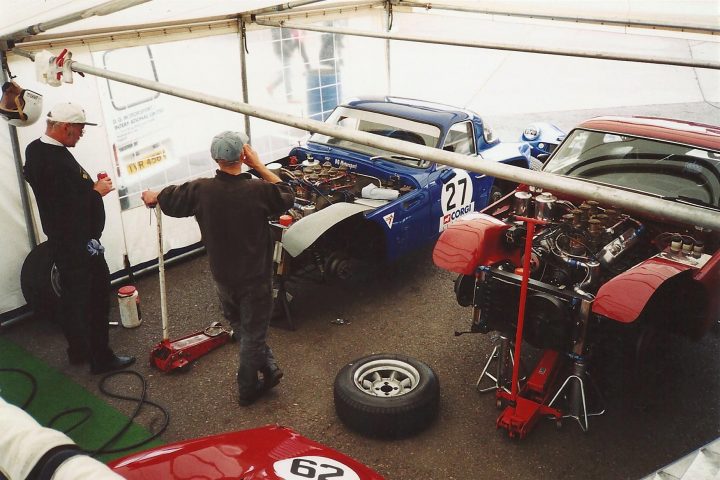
(161, 272)
(388, 26)
(686, 27)
(243, 72)
(284, 6)
(678, 62)
(632, 202)
(22, 186)
(103, 9)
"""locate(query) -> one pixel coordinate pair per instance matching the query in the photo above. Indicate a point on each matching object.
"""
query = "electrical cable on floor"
(33, 382)
(88, 413)
(142, 400)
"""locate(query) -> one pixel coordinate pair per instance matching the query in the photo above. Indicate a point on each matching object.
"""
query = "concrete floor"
(409, 308)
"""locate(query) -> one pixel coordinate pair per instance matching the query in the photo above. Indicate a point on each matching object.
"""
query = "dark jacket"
(71, 212)
(233, 212)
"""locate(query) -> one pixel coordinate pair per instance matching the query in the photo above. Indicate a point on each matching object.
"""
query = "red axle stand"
(522, 412)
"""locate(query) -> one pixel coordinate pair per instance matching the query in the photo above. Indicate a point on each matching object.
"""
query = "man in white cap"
(73, 218)
(232, 210)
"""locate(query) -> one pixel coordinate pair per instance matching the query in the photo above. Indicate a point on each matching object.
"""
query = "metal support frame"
(196, 27)
(678, 62)
(577, 399)
(103, 9)
(388, 27)
(284, 6)
(537, 16)
(17, 156)
(244, 72)
(632, 202)
(503, 355)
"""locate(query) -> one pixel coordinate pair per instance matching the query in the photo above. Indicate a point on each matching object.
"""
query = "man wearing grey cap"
(232, 210)
(73, 218)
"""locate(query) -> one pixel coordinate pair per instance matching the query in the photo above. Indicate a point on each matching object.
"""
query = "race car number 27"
(456, 199)
(313, 468)
(457, 192)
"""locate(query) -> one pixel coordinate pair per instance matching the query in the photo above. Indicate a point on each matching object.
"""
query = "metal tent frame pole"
(244, 72)
(284, 6)
(633, 202)
(103, 9)
(388, 26)
(678, 62)
(539, 16)
(17, 155)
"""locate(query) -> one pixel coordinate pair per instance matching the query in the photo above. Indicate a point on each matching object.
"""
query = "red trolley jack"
(177, 354)
(526, 405)
(523, 411)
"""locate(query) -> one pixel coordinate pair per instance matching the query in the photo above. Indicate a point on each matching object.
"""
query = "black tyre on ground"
(39, 281)
(387, 395)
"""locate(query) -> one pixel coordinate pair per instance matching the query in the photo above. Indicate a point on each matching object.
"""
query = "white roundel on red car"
(456, 198)
(313, 468)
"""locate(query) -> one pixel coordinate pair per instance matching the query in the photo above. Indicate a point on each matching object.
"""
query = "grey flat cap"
(228, 146)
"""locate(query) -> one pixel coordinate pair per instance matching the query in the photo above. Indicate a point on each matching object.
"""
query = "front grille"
(548, 313)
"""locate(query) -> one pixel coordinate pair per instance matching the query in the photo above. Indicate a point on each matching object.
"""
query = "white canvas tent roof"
(18, 14)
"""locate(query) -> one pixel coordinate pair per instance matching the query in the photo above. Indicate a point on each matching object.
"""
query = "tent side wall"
(16, 240)
(146, 140)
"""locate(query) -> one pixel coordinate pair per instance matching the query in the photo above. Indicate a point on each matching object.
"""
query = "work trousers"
(248, 308)
(85, 285)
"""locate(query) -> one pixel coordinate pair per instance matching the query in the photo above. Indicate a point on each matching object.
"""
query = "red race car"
(595, 272)
(272, 452)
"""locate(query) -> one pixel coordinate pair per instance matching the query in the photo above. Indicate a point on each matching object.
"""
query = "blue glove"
(94, 247)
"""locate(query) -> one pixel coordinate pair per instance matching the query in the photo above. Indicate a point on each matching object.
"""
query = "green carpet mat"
(55, 393)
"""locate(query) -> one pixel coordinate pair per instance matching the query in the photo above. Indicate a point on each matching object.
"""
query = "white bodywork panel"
(305, 231)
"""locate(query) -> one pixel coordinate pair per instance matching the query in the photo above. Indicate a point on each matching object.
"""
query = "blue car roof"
(443, 116)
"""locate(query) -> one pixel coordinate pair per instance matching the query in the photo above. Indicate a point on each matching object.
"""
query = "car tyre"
(387, 395)
(40, 282)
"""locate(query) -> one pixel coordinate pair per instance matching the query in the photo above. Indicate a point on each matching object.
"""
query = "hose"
(104, 449)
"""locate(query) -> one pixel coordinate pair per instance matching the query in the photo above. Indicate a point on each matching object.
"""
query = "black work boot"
(249, 387)
(248, 397)
(271, 375)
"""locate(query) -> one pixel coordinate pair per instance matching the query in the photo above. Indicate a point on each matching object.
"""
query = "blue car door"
(454, 195)
(457, 193)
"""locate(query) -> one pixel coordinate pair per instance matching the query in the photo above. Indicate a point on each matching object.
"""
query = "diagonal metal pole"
(568, 52)
(684, 27)
(103, 9)
(633, 202)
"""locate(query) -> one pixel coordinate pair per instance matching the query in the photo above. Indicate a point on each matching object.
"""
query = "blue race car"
(357, 203)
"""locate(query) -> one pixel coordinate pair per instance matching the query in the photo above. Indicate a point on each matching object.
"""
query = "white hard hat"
(19, 106)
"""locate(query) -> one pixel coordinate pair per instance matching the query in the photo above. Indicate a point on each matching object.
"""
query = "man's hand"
(252, 160)
(250, 157)
(103, 186)
(149, 198)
